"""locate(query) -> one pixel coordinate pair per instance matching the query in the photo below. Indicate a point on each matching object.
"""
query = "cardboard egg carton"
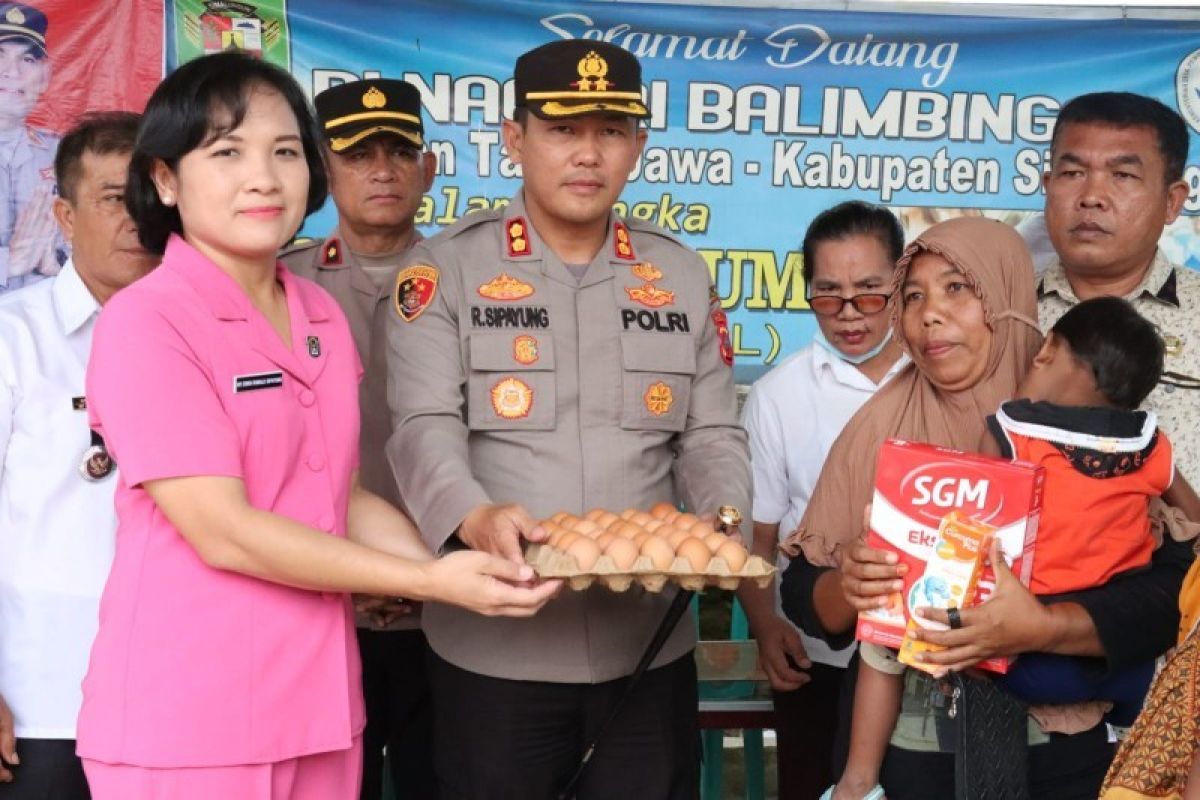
(549, 562)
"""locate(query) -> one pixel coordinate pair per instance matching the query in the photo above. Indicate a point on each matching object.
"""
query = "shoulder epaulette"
(472, 220)
(299, 245)
(642, 226)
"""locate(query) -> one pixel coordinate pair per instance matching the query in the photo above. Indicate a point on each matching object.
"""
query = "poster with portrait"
(60, 59)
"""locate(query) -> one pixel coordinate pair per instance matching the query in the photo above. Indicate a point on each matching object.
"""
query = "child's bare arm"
(1181, 495)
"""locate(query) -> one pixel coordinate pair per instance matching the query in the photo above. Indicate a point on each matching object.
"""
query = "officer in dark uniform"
(378, 173)
(550, 357)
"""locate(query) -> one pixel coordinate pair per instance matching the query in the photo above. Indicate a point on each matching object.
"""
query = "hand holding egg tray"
(648, 547)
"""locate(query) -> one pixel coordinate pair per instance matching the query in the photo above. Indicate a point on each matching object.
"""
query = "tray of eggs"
(647, 547)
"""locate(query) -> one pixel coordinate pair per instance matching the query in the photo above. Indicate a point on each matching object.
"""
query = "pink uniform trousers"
(321, 776)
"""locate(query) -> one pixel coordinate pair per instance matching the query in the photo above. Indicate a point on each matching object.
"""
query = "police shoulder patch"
(415, 289)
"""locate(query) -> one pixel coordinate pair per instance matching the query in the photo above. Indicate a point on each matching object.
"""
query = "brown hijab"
(994, 259)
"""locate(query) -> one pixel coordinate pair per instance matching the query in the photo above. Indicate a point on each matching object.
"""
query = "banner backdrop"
(761, 117)
(98, 56)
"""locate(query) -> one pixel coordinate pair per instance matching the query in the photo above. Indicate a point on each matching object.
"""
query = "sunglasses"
(830, 305)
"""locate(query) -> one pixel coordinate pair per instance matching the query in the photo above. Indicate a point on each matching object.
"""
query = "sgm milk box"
(916, 486)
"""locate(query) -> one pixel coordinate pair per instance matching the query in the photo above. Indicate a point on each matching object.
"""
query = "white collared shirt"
(792, 416)
(56, 528)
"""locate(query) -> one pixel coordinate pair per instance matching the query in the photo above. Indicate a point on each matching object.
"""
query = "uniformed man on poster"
(551, 357)
(29, 238)
(378, 173)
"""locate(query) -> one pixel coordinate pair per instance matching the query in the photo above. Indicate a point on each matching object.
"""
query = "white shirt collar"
(74, 304)
(848, 374)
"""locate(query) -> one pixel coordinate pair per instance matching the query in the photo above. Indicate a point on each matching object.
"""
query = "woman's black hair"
(854, 218)
(1121, 346)
(180, 117)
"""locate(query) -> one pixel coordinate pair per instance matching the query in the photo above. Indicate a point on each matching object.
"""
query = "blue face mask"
(820, 340)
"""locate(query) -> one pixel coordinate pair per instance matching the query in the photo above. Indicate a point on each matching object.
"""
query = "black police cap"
(352, 112)
(19, 21)
(570, 77)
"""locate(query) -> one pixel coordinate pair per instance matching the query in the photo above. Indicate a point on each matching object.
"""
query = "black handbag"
(991, 756)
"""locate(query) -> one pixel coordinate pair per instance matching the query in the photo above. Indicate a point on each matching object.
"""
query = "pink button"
(307, 398)
(316, 462)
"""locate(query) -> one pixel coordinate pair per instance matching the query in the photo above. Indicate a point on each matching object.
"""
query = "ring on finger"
(954, 617)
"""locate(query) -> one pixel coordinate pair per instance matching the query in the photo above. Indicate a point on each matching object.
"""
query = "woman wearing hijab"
(965, 314)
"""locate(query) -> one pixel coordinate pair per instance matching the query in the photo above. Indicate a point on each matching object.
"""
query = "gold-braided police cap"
(351, 112)
(570, 77)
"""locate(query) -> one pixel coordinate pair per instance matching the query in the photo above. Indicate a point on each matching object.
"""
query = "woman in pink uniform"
(226, 389)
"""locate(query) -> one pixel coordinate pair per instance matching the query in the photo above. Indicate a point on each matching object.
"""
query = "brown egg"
(714, 541)
(658, 551)
(653, 525)
(685, 521)
(565, 539)
(696, 552)
(606, 519)
(673, 536)
(734, 554)
(702, 529)
(671, 517)
(640, 518)
(623, 552)
(660, 510)
(559, 517)
(627, 513)
(595, 514)
(643, 536)
(568, 520)
(585, 551)
(626, 530)
(586, 527)
(604, 538)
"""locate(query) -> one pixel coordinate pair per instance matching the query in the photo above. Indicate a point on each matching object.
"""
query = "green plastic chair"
(712, 769)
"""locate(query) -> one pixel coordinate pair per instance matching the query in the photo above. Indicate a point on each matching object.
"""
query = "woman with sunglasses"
(792, 416)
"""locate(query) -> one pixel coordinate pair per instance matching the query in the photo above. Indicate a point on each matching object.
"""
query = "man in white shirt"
(57, 519)
(792, 416)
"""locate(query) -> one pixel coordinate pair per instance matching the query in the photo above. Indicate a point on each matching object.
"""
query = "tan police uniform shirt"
(334, 267)
(1169, 296)
(512, 382)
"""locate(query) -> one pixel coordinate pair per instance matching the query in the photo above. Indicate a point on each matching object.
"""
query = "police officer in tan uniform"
(550, 356)
(378, 173)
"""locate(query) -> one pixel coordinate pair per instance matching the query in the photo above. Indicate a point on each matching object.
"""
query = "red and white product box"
(916, 486)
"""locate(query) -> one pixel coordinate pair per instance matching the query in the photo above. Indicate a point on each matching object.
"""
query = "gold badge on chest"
(505, 287)
(658, 399)
(650, 295)
(525, 349)
(646, 271)
(512, 398)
